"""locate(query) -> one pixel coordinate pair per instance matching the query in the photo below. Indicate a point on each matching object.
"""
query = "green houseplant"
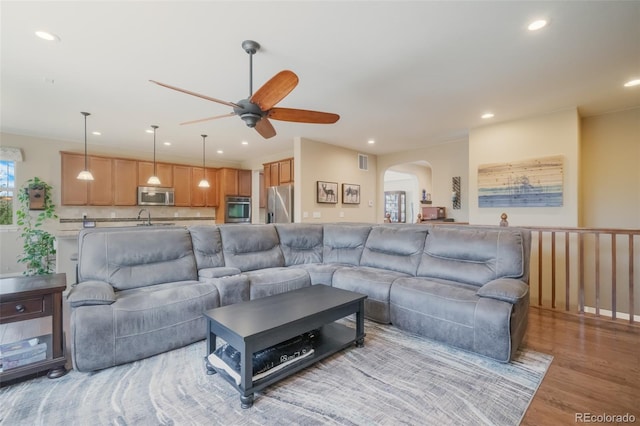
(38, 247)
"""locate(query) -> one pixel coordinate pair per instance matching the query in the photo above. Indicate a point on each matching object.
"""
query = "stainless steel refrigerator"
(280, 204)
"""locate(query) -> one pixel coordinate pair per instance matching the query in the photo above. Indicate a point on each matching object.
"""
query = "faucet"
(148, 216)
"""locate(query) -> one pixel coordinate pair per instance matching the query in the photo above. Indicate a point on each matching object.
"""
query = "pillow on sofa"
(505, 289)
(91, 293)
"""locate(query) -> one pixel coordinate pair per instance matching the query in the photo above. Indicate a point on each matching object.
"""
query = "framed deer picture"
(350, 193)
(327, 192)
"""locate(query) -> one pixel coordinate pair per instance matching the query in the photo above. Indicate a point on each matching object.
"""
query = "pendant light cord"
(154, 150)
(203, 138)
(85, 138)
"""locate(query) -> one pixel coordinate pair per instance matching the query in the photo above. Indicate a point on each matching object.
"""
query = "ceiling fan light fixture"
(85, 174)
(251, 119)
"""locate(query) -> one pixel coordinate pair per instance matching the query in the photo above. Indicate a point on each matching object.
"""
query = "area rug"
(396, 378)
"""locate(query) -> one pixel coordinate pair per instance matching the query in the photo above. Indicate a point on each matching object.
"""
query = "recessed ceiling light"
(149, 131)
(487, 115)
(96, 133)
(371, 141)
(167, 143)
(220, 151)
(632, 83)
(537, 24)
(47, 36)
(245, 143)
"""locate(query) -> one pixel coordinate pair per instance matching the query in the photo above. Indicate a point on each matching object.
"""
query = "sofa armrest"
(505, 289)
(89, 293)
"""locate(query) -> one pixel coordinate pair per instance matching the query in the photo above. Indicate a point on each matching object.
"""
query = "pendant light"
(203, 183)
(85, 174)
(153, 180)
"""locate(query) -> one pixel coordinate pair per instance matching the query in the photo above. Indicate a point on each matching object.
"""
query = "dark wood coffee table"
(261, 323)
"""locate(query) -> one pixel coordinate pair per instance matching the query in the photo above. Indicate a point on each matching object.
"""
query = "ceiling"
(405, 74)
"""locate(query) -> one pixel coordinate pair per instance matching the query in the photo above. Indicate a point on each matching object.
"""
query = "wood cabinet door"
(101, 187)
(266, 176)
(181, 185)
(73, 191)
(244, 183)
(286, 171)
(164, 171)
(211, 195)
(275, 174)
(198, 194)
(125, 180)
(229, 181)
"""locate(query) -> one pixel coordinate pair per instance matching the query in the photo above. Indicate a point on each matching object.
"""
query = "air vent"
(363, 162)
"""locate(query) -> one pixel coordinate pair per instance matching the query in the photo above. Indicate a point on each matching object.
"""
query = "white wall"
(557, 133)
(446, 161)
(316, 161)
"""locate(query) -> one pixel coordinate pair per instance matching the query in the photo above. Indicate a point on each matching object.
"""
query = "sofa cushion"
(375, 283)
(472, 255)
(270, 281)
(251, 247)
(300, 243)
(396, 248)
(222, 271)
(152, 256)
(321, 273)
(344, 243)
(88, 293)
(207, 246)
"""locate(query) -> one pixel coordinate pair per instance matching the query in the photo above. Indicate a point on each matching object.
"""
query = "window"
(7, 189)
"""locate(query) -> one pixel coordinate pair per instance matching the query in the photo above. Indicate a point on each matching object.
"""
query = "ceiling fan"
(259, 107)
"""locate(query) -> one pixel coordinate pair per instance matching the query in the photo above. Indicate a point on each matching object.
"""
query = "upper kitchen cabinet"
(182, 185)
(244, 183)
(74, 192)
(285, 171)
(204, 197)
(101, 187)
(278, 172)
(125, 179)
(165, 173)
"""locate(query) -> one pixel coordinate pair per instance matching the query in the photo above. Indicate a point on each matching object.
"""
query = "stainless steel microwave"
(156, 196)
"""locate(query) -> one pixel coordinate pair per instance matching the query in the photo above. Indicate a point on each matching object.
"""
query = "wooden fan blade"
(274, 90)
(265, 128)
(208, 118)
(303, 116)
(188, 92)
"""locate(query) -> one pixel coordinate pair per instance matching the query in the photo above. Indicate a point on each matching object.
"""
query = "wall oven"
(155, 196)
(237, 210)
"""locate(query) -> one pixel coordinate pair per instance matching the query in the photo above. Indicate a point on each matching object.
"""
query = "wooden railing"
(588, 271)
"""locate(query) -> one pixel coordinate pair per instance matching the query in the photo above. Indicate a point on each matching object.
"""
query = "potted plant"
(38, 247)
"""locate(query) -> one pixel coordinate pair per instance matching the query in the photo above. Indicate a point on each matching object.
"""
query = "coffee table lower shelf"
(332, 338)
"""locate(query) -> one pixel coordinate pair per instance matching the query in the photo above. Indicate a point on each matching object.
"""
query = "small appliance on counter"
(155, 196)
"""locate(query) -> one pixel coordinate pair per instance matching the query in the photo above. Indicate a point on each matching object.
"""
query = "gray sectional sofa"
(142, 291)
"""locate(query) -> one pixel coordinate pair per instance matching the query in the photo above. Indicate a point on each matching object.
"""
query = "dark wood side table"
(25, 298)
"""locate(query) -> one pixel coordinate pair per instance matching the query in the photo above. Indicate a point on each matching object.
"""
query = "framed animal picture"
(350, 193)
(327, 192)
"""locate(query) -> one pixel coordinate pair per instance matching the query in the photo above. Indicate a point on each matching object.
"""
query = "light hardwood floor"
(596, 368)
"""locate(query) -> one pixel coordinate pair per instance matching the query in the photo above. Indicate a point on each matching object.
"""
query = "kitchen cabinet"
(164, 170)
(125, 179)
(211, 194)
(244, 183)
(101, 187)
(182, 185)
(228, 179)
(74, 192)
(285, 171)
